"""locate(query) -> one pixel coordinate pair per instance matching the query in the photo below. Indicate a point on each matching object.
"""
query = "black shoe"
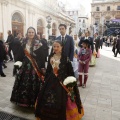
(3, 75)
(12, 60)
(4, 66)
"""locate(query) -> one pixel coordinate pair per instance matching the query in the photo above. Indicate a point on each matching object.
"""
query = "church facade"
(18, 15)
(103, 11)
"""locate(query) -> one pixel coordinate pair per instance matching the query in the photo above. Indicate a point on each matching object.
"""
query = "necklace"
(57, 57)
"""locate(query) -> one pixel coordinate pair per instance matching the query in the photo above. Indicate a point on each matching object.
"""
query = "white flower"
(69, 80)
(18, 63)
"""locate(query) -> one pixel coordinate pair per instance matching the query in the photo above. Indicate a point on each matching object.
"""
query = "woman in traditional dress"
(53, 102)
(27, 83)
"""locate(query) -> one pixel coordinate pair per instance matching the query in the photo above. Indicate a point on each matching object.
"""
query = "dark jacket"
(90, 40)
(17, 50)
(68, 46)
(45, 46)
(10, 40)
(118, 44)
(37, 54)
(52, 99)
(2, 51)
(97, 43)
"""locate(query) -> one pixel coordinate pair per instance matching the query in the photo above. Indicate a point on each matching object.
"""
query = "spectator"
(97, 42)
(101, 42)
(2, 57)
(118, 46)
(87, 36)
(114, 45)
(9, 41)
(45, 47)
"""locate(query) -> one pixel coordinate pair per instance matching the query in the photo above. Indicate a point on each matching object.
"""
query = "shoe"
(4, 66)
(3, 75)
(12, 60)
(84, 86)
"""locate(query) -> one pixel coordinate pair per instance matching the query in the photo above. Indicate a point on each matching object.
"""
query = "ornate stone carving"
(4, 2)
(31, 12)
(17, 17)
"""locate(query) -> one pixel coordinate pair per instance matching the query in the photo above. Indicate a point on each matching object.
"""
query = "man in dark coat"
(87, 36)
(10, 40)
(2, 57)
(67, 41)
(45, 47)
(97, 42)
(17, 48)
(118, 46)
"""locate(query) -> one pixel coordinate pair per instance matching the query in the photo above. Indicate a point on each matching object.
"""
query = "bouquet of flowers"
(70, 82)
(17, 66)
(18, 63)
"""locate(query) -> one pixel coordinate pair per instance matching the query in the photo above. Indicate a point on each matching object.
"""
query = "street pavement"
(101, 97)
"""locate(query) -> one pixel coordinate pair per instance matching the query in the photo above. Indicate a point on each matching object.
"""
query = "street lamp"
(48, 19)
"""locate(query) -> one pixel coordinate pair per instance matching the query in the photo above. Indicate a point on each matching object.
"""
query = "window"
(97, 21)
(108, 8)
(79, 20)
(71, 13)
(118, 7)
(83, 21)
(84, 25)
(97, 9)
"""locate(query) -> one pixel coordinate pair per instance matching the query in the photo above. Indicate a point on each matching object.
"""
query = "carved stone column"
(4, 18)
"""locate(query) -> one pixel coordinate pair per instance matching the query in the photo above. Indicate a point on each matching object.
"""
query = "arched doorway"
(40, 27)
(54, 29)
(17, 24)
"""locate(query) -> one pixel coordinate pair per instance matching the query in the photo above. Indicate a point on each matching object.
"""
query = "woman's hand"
(80, 62)
(70, 88)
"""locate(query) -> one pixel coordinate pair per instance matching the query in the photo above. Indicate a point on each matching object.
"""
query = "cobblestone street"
(101, 97)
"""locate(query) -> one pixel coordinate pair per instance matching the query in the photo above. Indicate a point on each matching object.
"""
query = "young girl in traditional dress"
(84, 58)
(53, 102)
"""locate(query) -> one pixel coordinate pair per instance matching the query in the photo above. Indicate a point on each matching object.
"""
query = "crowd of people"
(44, 87)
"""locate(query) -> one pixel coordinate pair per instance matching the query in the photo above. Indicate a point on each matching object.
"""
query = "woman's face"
(31, 33)
(57, 48)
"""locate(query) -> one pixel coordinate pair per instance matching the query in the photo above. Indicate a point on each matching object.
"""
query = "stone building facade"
(102, 11)
(18, 15)
(80, 17)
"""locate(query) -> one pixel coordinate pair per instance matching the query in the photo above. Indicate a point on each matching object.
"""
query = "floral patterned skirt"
(26, 86)
(72, 111)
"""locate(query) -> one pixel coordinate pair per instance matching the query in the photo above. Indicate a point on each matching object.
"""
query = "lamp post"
(48, 19)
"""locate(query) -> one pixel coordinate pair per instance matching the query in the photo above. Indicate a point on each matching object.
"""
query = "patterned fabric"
(26, 86)
(72, 111)
(52, 99)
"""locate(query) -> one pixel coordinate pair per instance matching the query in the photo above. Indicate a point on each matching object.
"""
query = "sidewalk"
(101, 97)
